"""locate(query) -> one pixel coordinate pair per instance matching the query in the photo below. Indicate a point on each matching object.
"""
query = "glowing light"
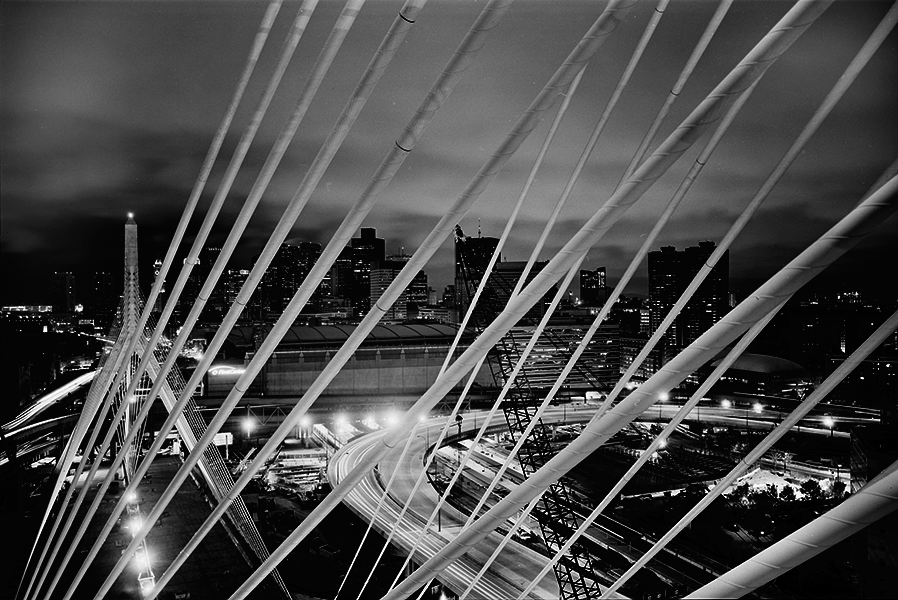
(305, 421)
(664, 397)
(132, 497)
(341, 420)
(135, 525)
(392, 418)
(726, 404)
(758, 407)
(225, 370)
(828, 421)
(249, 424)
(662, 444)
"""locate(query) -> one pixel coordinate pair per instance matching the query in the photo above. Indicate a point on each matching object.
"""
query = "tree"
(787, 494)
(838, 489)
(811, 489)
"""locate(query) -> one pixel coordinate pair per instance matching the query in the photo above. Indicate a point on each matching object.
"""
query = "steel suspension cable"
(316, 171)
(470, 311)
(644, 456)
(757, 61)
(440, 91)
(872, 502)
(672, 205)
(486, 424)
(513, 217)
(326, 57)
(299, 25)
(829, 102)
(211, 155)
(546, 98)
(99, 389)
(622, 83)
(380, 504)
(859, 222)
(644, 40)
(501, 546)
(678, 86)
(843, 370)
(637, 54)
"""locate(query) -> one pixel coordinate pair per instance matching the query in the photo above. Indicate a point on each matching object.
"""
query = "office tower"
(287, 271)
(100, 298)
(670, 272)
(382, 275)
(63, 290)
(369, 248)
(593, 289)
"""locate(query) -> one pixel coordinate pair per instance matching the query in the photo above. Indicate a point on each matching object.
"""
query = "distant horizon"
(109, 108)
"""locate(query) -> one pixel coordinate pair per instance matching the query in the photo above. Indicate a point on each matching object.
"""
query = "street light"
(662, 397)
(757, 407)
(248, 426)
(828, 421)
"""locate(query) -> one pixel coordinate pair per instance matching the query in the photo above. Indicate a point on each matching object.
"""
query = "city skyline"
(108, 110)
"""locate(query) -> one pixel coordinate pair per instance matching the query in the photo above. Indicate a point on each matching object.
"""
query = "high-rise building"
(369, 247)
(670, 272)
(350, 275)
(284, 275)
(100, 298)
(593, 287)
(382, 275)
(63, 290)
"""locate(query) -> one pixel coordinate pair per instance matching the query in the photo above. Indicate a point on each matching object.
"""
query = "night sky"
(109, 107)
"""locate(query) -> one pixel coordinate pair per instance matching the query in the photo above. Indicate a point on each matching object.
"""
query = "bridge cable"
(637, 54)
(520, 131)
(634, 264)
(339, 133)
(858, 223)
(438, 94)
(312, 84)
(829, 102)
(646, 454)
(473, 303)
(258, 42)
(695, 125)
(678, 86)
(838, 90)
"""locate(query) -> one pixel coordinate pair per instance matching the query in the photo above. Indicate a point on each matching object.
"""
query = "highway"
(507, 577)
(46, 401)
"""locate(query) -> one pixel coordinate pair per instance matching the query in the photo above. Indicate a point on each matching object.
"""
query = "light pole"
(248, 426)
(661, 399)
(828, 421)
(758, 408)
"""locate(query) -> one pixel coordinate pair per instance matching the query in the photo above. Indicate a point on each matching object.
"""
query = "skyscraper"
(285, 274)
(670, 272)
(593, 288)
(382, 275)
(63, 290)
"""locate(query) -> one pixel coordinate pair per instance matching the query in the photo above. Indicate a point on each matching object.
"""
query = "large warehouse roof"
(327, 336)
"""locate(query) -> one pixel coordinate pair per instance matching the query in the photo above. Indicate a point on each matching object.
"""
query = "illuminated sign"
(225, 370)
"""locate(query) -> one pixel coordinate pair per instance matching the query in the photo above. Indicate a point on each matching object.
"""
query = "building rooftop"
(324, 336)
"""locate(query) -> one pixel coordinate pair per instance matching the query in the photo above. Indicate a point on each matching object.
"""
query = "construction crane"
(578, 573)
